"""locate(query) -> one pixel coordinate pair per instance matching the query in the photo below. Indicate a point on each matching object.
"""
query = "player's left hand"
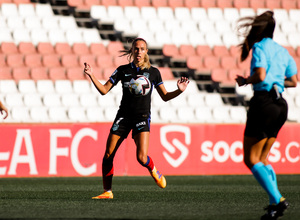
(182, 83)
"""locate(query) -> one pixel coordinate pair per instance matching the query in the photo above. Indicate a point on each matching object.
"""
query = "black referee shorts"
(123, 125)
(266, 115)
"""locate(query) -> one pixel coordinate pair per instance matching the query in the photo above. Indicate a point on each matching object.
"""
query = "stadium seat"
(199, 14)
(63, 86)
(159, 3)
(9, 48)
(168, 114)
(141, 4)
(220, 51)
(20, 114)
(211, 62)
(288, 4)
(192, 3)
(118, 61)
(203, 115)
(219, 75)
(75, 73)
(241, 4)
(182, 13)
(194, 62)
(228, 62)
(45, 86)
(39, 73)
(15, 22)
(27, 86)
(51, 100)
(208, 3)
(88, 100)
(43, 10)
(224, 3)
(8, 86)
(57, 73)
(26, 48)
(6, 36)
(238, 114)
(81, 87)
(215, 14)
(14, 100)
(33, 60)
(107, 100)
(9, 9)
(77, 114)
(231, 14)
(110, 113)
(189, 26)
(213, 39)
(222, 114)
(69, 60)
(132, 12)
(166, 73)
(256, 4)
(32, 100)
(148, 13)
(20, 73)
(80, 48)
(90, 59)
(114, 47)
(69, 99)
(186, 114)
(57, 36)
(179, 101)
(15, 60)
(21, 35)
(5, 73)
(39, 36)
(115, 12)
(32, 23)
(39, 114)
(66, 22)
(165, 13)
(97, 49)
(51, 60)
(45, 48)
(95, 114)
(272, 4)
(104, 61)
(49, 22)
(196, 99)
(91, 36)
(213, 100)
(58, 114)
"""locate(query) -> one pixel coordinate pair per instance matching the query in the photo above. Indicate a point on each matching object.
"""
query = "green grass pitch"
(185, 197)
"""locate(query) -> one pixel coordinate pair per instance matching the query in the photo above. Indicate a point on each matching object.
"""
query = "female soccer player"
(134, 111)
(3, 109)
(272, 69)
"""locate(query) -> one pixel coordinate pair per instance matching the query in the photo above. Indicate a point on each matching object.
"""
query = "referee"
(272, 69)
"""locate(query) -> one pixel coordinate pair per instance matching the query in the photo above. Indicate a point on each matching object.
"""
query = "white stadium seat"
(27, 86)
(45, 86)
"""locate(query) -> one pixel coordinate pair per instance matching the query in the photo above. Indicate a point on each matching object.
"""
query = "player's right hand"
(87, 69)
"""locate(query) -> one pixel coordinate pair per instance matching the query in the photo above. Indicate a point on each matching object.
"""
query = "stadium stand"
(45, 45)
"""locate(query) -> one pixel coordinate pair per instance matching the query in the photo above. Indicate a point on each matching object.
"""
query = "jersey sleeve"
(258, 58)
(115, 76)
(158, 79)
(291, 68)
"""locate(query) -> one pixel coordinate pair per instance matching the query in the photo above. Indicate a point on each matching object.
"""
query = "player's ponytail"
(254, 29)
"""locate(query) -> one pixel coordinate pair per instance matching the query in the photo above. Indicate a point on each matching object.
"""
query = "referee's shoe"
(275, 211)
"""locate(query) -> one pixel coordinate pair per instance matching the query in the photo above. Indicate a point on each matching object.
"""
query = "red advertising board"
(42, 150)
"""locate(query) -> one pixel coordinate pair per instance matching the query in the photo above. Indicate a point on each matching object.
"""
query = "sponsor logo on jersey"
(146, 74)
(140, 124)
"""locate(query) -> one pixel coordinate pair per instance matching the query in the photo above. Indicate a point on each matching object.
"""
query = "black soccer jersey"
(132, 105)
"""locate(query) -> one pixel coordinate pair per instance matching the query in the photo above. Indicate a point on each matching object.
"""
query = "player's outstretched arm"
(3, 109)
(103, 89)
(182, 84)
